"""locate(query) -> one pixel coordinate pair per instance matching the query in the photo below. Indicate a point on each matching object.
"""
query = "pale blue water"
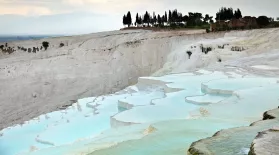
(79, 128)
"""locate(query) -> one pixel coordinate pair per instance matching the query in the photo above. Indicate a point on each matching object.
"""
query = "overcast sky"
(86, 16)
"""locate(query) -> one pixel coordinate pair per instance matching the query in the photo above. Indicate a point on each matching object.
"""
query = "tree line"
(175, 18)
(228, 14)
(171, 18)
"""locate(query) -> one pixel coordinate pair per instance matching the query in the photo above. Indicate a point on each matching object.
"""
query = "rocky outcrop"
(114, 123)
(266, 143)
(124, 105)
(144, 81)
(238, 140)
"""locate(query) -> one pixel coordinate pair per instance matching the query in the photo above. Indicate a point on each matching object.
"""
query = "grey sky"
(85, 16)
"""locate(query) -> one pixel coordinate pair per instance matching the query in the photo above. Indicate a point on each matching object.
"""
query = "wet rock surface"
(238, 140)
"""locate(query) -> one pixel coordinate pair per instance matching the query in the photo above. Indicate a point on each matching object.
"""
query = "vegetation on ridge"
(226, 19)
(172, 19)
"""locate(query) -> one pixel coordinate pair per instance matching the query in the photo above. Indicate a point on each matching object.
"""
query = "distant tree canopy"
(247, 22)
(124, 20)
(237, 14)
(208, 18)
(169, 18)
(263, 21)
(224, 14)
(175, 19)
(195, 19)
(228, 13)
(127, 19)
(45, 44)
(146, 18)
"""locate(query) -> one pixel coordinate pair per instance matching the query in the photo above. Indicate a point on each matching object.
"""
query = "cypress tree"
(237, 14)
(174, 16)
(154, 18)
(166, 17)
(129, 19)
(151, 20)
(170, 17)
(124, 20)
(146, 18)
(159, 20)
(180, 18)
(137, 19)
(140, 20)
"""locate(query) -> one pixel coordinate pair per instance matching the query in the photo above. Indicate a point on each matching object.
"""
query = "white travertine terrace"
(158, 114)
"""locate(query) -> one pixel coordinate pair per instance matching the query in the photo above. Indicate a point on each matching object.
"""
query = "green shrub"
(45, 44)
